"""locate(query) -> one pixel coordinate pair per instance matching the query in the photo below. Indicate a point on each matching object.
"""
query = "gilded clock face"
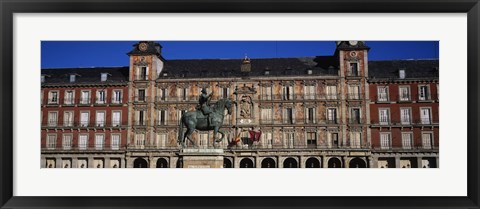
(353, 43)
(142, 46)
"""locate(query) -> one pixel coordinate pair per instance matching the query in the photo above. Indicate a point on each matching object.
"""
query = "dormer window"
(103, 77)
(401, 73)
(165, 74)
(72, 78)
(309, 72)
(43, 79)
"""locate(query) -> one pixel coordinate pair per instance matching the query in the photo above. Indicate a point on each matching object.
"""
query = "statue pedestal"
(202, 158)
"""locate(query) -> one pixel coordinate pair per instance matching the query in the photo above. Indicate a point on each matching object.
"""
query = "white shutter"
(84, 119)
(100, 117)
(116, 118)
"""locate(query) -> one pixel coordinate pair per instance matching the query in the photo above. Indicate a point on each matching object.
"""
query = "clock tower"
(146, 64)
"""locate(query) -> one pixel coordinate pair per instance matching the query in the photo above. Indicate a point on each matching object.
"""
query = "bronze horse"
(195, 120)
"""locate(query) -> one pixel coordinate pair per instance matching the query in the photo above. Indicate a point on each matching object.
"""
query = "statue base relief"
(202, 158)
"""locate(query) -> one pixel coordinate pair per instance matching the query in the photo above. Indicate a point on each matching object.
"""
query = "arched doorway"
(268, 163)
(227, 163)
(357, 163)
(180, 163)
(246, 163)
(140, 163)
(290, 163)
(162, 163)
(334, 163)
(312, 163)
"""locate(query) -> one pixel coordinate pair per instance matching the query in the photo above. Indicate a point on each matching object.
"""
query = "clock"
(143, 46)
(353, 43)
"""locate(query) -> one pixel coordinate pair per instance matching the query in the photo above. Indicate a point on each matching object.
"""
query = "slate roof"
(325, 65)
(414, 69)
(86, 75)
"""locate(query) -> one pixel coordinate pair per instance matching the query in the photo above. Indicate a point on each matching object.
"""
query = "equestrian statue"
(205, 118)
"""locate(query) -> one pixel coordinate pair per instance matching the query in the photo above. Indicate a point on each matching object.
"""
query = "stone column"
(236, 162)
(397, 162)
(419, 162)
(301, 162)
(43, 162)
(152, 162)
(58, 162)
(107, 162)
(129, 163)
(373, 162)
(345, 160)
(74, 162)
(173, 162)
(280, 162)
(258, 163)
(90, 162)
(122, 163)
(438, 163)
(324, 162)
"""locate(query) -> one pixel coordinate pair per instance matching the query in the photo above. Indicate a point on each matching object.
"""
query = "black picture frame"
(10, 7)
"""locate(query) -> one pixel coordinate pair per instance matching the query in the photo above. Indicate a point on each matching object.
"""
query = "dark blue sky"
(58, 54)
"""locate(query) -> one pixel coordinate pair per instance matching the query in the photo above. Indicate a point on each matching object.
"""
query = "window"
(82, 141)
(385, 140)
(116, 118)
(140, 118)
(287, 92)
(52, 119)
(99, 141)
(353, 69)
(117, 97)
(427, 140)
(100, 119)
(267, 141)
(310, 115)
(382, 93)
(309, 92)
(42, 79)
(161, 140)
(423, 93)
(309, 72)
(332, 115)
(68, 119)
(405, 116)
(182, 94)
(407, 140)
(404, 93)
(142, 73)
(225, 93)
(288, 116)
(162, 117)
(331, 92)
(267, 114)
(69, 99)
(101, 95)
(103, 76)
(141, 95)
(140, 140)
(267, 93)
(72, 78)
(355, 116)
(84, 119)
(67, 141)
(288, 140)
(162, 95)
(425, 116)
(384, 116)
(311, 140)
(355, 139)
(85, 97)
(354, 92)
(51, 141)
(332, 139)
(401, 73)
(53, 97)
(115, 143)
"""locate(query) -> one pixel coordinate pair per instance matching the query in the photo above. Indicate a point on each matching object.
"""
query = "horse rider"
(204, 103)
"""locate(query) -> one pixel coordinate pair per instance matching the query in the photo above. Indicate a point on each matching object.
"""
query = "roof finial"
(246, 59)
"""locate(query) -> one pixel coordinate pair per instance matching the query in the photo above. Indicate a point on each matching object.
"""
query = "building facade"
(312, 112)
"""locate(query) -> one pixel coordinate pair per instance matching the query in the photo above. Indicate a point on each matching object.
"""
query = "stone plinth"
(202, 158)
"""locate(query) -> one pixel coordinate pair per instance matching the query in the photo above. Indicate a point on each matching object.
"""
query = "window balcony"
(355, 96)
(404, 98)
(141, 78)
(100, 102)
(140, 123)
(140, 99)
(355, 121)
(68, 102)
(53, 102)
(383, 99)
(84, 101)
(117, 101)
(331, 121)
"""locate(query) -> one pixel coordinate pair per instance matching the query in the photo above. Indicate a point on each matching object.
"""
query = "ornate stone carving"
(246, 106)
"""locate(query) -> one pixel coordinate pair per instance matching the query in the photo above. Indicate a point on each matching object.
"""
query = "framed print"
(209, 85)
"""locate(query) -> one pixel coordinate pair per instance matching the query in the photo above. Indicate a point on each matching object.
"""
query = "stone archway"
(246, 163)
(227, 163)
(357, 163)
(334, 163)
(162, 163)
(268, 163)
(312, 163)
(290, 163)
(140, 163)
